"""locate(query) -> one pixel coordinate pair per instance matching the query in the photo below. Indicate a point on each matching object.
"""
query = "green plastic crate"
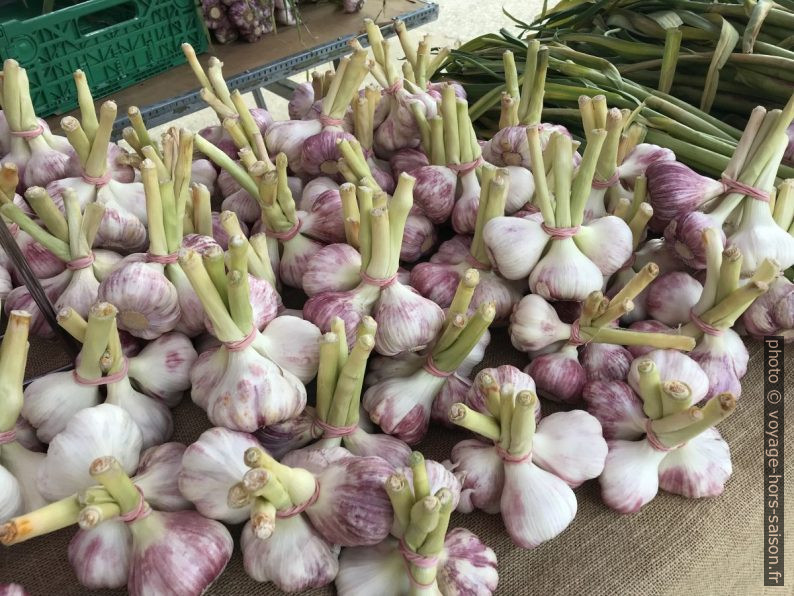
(116, 42)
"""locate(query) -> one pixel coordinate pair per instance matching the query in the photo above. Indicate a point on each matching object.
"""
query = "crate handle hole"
(102, 19)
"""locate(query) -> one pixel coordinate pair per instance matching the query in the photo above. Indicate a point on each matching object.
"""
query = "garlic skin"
(674, 190)
(605, 362)
(724, 359)
(464, 212)
(559, 376)
(772, 313)
(509, 146)
(350, 306)
(203, 172)
(606, 242)
(294, 558)
(301, 101)
(23, 465)
(244, 390)
(319, 153)
(100, 431)
(147, 301)
(370, 444)
(210, 467)
(483, 477)
(565, 273)
(671, 296)
(438, 477)
(707, 462)
(42, 262)
(265, 301)
(334, 268)
(639, 159)
(12, 590)
(293, 344)
(283, 437)
(759, 237)
(288, 136)
(407, 160)
(674, 366)
(11, 503)
(164, 542)
(398, 129)
(534, 325)
(503, 374)
(686, 236)
(520, 189)
(631, 475)
(100, 557)
(616, 407)
(419, 238)
(295, 259)
(434, 192)
(162, 369)
(352, 508)
(218, 233)
(152, 416)
(321, 217)
(157, 475)
(406, 320)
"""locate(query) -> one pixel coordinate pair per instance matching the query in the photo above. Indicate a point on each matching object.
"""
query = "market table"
(673, 546)
(323, 37)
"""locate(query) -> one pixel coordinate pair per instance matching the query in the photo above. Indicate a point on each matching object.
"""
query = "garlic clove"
(103, 430)
(565, 273)
(640, 158)
(617, 408)
(631, 475)
(334, 268)
(464, 212)
(157, 476)
(481, 473)
(407, 160)
(407, 322)
(350, 306)
(607, 242)
(293, 344)
(295, 259)
(605, 362)
(381, 368)
(47, 410)
(570, 445)
(353, 508)
(210, 467)
(698, 469)
(199, 548)
(301, 101)
(686, 236)
(101, 556)
(724, 359)
(504, 374)
(419, 238)
(26, 436)
(674, 190)
(559, 376)
(288, 136)
(514, 245)
(674, 366)
(466, 565)
(520, 188)
(11, 502)
(535, 325)
(364, 444)
(23, 466)
(772, 313)
(378, 569)
(453, 391)
(319, 152)
(203, 172)
(323, 219)
(162, 369)
(671, 296)
(284, 437)
(152, 416)
(243, 205)
(434, 192)
(536, 505)
(295, 557)
(265, 301)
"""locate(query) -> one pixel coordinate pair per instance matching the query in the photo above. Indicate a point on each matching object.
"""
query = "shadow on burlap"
(673, 546)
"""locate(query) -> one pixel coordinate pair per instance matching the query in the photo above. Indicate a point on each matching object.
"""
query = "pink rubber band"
(732, 185)
(169, 259)
(654, 441)
(81, 263)
(509, 458)
(107, 380)
(602, 184)
(334, 432)
(464, 168)
(430, 367)
(702, 325)
(141, 510)
(295, 510)
(374, 281)
(422, 561)
(560, 233)
(8, 436)
(97, 180)
(328, 121)
(28, 134)
(576, 338)
(394, 87)
(477, 264)
(284, 236)
(242, 344)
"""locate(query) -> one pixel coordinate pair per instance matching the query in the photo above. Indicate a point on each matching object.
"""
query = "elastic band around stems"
(168, 259)
(8, 436)
(576, 338)
(732, 185)
(394, 87)
(430, 366)
(285, 236)
(330, 431)
(81, 263)
(106, 380)
(28, 134)
(97, 180)
(141, 510)
(476, 263)
(422, 561)
(654, 441)
(242, 344)
(702, 325)
(603, 184)
(560, 233)
(296, 509)
(509, 458)
(374, 281)
(464, 168)
(328, 121)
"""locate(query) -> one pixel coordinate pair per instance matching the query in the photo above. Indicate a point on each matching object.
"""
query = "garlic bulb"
(772, 313)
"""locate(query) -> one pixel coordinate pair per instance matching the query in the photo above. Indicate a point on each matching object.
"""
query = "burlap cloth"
(673, 546)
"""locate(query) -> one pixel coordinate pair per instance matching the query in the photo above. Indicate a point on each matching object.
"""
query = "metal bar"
(263, 76)
(283, 88)
(259, 98)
